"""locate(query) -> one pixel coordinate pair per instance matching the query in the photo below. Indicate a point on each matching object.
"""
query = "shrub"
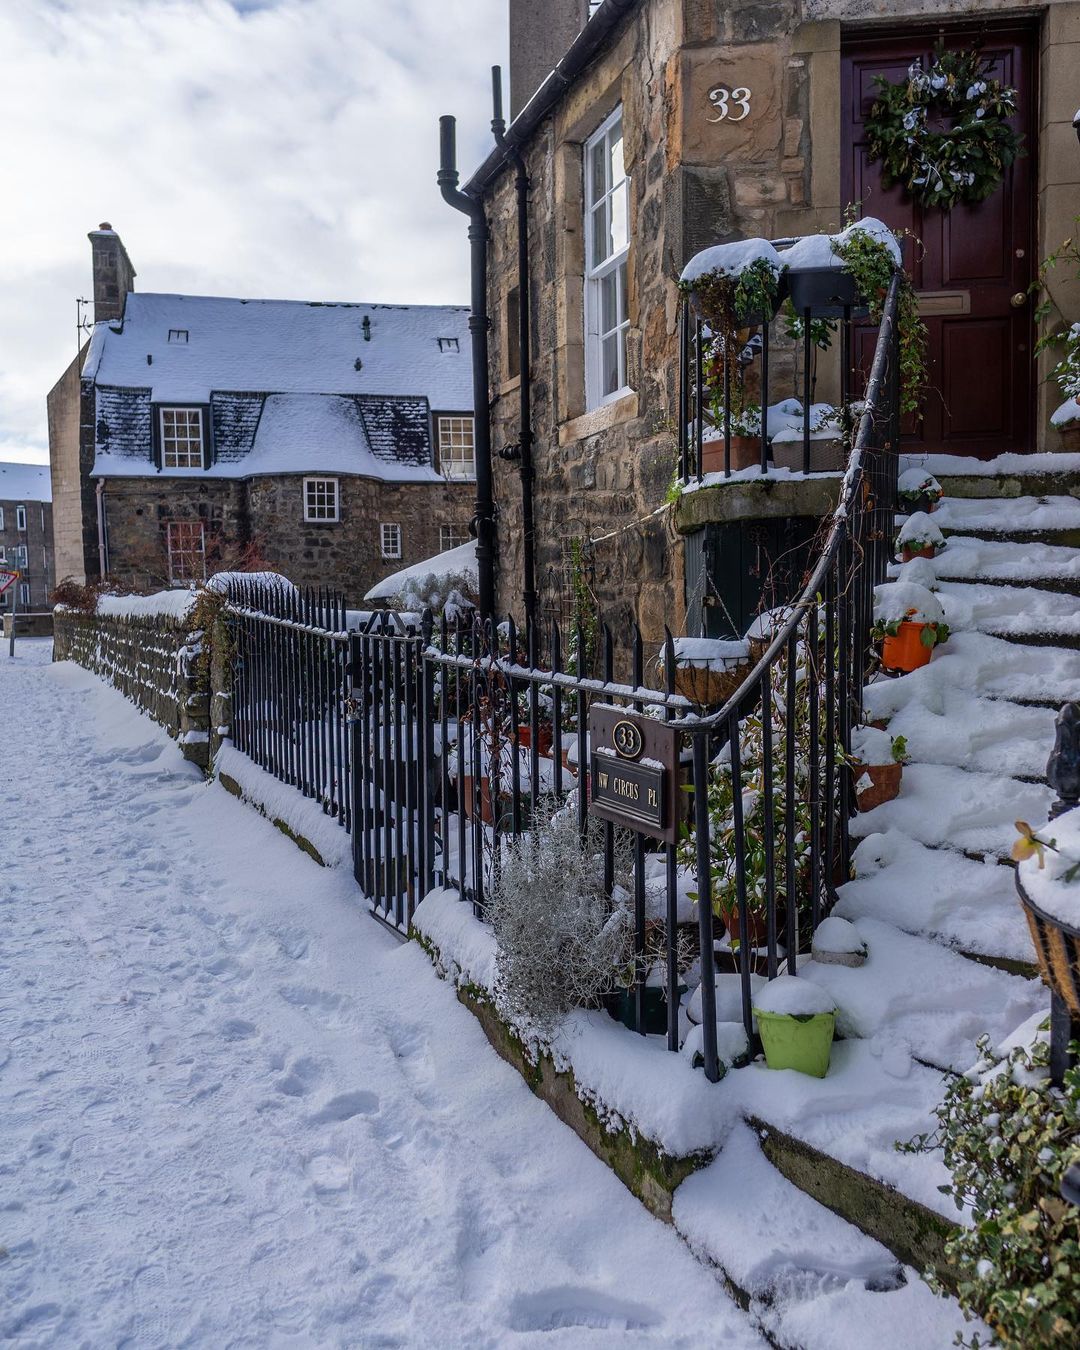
(1007, 1136)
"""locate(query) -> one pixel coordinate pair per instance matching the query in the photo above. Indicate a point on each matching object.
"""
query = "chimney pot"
(104, 225)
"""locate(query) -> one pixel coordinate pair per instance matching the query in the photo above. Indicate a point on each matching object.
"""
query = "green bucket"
(793, 1042)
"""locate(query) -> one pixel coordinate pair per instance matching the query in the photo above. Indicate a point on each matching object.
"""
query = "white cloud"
(266, 149)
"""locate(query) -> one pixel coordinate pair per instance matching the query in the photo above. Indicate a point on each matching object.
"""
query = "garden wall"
(153, 654)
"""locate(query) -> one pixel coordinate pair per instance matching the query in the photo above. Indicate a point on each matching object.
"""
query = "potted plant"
(1067, 373)
(709, 670)
(734, 286)
(917, 490)
(820, 278)
(878, 761)
(745, 442)
(1050, 897)
(909, 623)
(828, 451)
(796, 1021)
(919, 537)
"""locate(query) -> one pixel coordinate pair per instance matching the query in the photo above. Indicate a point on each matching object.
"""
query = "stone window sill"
(612, 414)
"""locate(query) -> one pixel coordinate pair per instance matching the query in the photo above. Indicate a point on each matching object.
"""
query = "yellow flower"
(1028, 845)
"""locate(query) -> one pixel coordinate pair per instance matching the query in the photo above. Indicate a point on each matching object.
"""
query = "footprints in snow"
(345, 1106)
(566, 1306)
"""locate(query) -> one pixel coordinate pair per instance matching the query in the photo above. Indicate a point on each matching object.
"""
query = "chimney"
(114, 275)
(541, 33)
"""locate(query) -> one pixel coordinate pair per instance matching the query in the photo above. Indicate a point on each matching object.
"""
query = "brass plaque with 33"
(633, 771)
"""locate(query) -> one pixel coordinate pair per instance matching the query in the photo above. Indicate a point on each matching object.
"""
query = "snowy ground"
(237, 1112)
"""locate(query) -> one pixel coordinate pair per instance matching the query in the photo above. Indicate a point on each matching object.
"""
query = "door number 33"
(726, 101)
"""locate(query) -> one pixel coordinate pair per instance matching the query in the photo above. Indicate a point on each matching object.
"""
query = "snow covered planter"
(917, 490)
(1049, 890)
(837, 943)
(919, 537)
(1067, 373)
(745, 426)
(909, 623)
(820, 277)
(734, 286)
(796, 1019)
(709, 670)
(878, 765)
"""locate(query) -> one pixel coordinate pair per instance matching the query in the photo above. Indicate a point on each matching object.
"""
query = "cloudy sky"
(269, 148)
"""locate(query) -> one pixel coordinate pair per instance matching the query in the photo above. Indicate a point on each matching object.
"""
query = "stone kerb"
(155, 660)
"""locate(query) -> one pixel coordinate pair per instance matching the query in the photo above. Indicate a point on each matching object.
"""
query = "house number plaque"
(633, 770)
(730, 105)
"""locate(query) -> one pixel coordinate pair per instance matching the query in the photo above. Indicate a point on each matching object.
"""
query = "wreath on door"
(961, 161)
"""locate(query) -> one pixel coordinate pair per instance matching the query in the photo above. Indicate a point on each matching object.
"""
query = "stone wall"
(152, 660)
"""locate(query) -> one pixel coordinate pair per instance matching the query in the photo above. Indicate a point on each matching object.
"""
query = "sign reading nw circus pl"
(634, 764)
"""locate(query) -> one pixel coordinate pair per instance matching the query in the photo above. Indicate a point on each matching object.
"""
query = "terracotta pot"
(1070, 437)
(757, 925)
(907, 552)
(884, 784)
(1058, 948)
(712, 688)
(745, 453)
(543, 739)
(905, 652)
(487, 813)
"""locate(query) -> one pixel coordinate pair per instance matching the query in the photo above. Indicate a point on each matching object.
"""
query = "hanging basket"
(1057, 947)
(711, 688)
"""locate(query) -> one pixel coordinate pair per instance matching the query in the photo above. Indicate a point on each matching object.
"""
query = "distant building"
(330, 442)
(26, 535)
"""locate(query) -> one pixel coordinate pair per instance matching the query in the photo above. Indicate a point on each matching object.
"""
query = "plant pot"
(825, 456)
(543, 739)
(906, 651)
(907, 552)
(824, 291)
(711, 688)
(745, 453)
(1057, 947)
(925, 501)
(884, 784)
(1070, 437)
(756, 924)
(487, 809)
(622, 1006)
(800, 1043)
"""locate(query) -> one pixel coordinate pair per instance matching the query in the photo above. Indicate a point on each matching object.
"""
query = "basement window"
(321, 500)
(186, 543)
(390, 540)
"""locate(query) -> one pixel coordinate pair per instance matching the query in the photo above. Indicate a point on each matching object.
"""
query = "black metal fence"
(460, 732)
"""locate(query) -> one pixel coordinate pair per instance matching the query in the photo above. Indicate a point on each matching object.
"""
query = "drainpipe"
(484, 520)
(102, 531)
(525, 435)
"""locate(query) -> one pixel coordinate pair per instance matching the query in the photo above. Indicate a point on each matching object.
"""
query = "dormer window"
(181, 438)
(449, 344)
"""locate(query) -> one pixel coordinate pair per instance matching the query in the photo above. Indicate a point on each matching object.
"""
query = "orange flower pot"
(884, 784)
(906, 651)
(757, 925)
(907, 553)
(745, 453)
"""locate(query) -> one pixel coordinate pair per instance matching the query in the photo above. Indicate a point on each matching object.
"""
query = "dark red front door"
(974, 262)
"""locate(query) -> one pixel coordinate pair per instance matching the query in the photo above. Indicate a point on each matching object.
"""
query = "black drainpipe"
(484, 520)
(525, 435)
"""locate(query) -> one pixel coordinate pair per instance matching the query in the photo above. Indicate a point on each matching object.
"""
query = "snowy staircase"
(934, 899)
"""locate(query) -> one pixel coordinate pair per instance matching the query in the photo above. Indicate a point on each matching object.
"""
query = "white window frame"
(612, 264)
(390, 539)
(456, 437)
(1, 517)
(3, 554)
(24, 594)
(21, 560)
(20, 519)
(192, 418)
(446, 545)
(326, 511)
(200, 552)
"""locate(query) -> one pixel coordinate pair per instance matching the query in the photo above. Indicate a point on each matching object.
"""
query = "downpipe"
(479, 324)
(102, 531)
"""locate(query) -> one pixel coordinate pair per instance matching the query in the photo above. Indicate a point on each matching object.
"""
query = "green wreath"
(965, 161)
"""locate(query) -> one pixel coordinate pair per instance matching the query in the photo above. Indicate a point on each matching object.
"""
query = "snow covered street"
(236, 1112)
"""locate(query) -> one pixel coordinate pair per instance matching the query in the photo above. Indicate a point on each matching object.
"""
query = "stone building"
(667, 126)
(26, 536)
(329, 442)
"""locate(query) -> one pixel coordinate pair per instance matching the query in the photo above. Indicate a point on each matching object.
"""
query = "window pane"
(617, 207)
(616, 143)
(624, 312)
(609, 303)
(610, 375)
(601, 244)
(599, 182)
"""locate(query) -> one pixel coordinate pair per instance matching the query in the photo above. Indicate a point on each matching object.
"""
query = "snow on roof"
(25, 482)
(455, 562)
(198, 344)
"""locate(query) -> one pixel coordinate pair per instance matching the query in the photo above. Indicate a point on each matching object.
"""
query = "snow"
(871, 745)
(284, 347)
(900, 600)
(25, 482)
(920, 529)
(793, 996)
(1003, 515)
(1047, 885)
(1005, 560)
(815, 251)
(919, 572)
(238, 1112)
(838, 936)
(455, 562)
(878, 231)
(1007, 465)
(914, 480)
(1009, 610)
(1066, 413)
(731, 259)
(716, 654)
(173, 604)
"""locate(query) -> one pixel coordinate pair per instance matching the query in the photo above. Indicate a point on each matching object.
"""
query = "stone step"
(1006, 476)
(955, 726)
(1051, 519)
(1000, 561)
(1025, 614)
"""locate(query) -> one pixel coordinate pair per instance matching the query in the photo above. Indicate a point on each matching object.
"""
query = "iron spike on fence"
(669, 662)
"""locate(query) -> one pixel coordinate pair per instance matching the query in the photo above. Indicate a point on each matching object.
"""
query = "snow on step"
(939, 894)
(1009, 610)
(1003, 515)
(814, 1279)
(968, 559)
(1011, 464)
(987, 665)
(952, 726)
(913, 991)
(942, 805)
